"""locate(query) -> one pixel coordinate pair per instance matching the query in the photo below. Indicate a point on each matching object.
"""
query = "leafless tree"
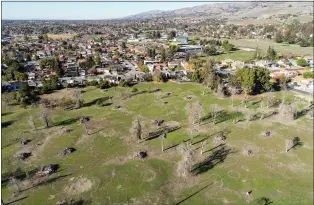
(249, 115)
(261, 105)
(162, 137)
(15, 183)
(244, 101)
(233, 92)
(195, 112)
(7, 98)
(270, 101)
(78, 98)
(137, 127)
(203, 146)
(288, 112)
(185, 166)
(236, 110)
(45, 116)
(214, 109)
(31, 122)
(292, 143)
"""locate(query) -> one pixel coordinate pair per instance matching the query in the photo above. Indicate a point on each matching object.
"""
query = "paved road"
(133, 69)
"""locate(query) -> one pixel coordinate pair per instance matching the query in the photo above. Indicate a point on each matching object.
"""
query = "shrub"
(301, 62)
(92, 83)
(308, 75)
(134, 90)
(125, 83)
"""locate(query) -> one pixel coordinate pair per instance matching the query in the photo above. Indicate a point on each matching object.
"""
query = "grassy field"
(238, 55)
(61, 36)
(104, 171)
(279, 47)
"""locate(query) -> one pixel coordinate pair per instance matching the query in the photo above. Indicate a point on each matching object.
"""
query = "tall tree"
(208, 76)
(271, 54)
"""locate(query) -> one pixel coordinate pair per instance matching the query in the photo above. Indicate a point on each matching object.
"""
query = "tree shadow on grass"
(222, 144)
(166, 129)
(216, 158)
(7, 123)
(16, 200)
(221, 116)
(49, 181)
(302, 112)
(18, 174)
(183, 200)
(263, 201)
(67, 122)
(6, 113)
(95, 101)
(134, 94)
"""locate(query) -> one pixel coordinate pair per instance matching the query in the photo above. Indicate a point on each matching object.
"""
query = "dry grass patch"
(79, 186)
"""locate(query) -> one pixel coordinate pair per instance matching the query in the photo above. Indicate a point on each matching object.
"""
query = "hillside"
(235, 11)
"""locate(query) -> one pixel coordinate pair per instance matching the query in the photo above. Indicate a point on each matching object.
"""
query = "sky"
(85, 10)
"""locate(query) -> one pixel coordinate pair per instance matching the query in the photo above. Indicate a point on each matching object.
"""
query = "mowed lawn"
(280, 48)
(103, 169)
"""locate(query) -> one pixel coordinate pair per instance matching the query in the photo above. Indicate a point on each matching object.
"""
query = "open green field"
(238, 55)
(279, 47)
(103, 169)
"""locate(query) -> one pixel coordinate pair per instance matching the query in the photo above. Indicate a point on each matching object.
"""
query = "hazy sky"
(84, 10)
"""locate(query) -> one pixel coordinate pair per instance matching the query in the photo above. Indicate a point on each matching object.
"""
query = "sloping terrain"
(235, 10)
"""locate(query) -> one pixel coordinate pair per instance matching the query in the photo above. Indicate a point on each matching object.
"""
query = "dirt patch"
(64, 93)
(79, 186)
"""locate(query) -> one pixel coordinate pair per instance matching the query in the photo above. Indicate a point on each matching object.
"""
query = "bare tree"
(203, 146)
(7, 98)
(31, 122)
(293, 143)
(162, 137)
(233, 91)
(195, 112)
(15, 183)
(78, 98)
(185, 166)
(215, 109)
(249, 115)
(236, 110)
(244, 101)
(284, 89)
(83, 121)
(288, 112)
(270, 101)
(45, 116)
(137, 127)
(261, 105)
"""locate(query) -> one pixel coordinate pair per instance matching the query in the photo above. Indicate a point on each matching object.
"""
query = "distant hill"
(234, 10)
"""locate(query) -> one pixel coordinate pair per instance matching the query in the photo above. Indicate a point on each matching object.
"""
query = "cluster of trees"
(253, 80)
(271, 54)
(174, 48)
(40, 37)
(172, 34)
(151, 52)
(210, 42)
(210, 50)
(308, 75)
(153, 34)
(302, 62)
(304, 30)
(207, 76)
(102, 84)
(227, 46)
(51, 83)
(49, 63)
(87, 63)
(26, 95)
(15, 71)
